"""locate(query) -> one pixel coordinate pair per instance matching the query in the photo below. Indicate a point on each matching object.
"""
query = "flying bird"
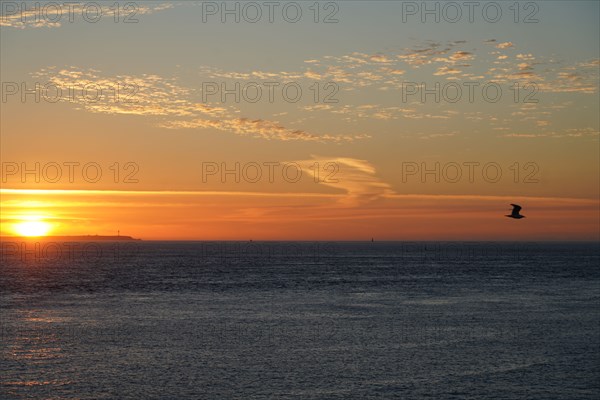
(515, 212)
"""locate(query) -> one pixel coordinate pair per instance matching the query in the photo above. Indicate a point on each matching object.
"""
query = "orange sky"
(239, 216)
(379, 157)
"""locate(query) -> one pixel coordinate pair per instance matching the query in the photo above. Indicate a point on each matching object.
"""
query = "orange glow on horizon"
(238, 216)
(32, 226)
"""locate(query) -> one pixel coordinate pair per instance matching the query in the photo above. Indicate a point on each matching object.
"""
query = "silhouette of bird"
(515, 212)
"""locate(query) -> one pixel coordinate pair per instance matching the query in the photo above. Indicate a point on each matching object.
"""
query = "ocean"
(299, 320)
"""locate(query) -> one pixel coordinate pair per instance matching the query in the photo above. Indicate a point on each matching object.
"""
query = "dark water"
(299, 320)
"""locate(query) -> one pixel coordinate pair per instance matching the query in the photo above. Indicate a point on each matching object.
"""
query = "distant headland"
(80, 238)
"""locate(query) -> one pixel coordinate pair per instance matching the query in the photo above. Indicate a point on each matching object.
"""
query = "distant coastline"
(80, 238)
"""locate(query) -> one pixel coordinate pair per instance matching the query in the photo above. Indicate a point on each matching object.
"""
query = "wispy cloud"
(356, 177)
(177, 106)
(429, 62)
(153, 95)
(258, 128)
(455, 60)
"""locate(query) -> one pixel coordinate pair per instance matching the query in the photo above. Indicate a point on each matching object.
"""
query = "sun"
(32, 228)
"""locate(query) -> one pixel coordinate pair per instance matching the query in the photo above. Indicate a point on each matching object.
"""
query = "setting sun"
(32, 228)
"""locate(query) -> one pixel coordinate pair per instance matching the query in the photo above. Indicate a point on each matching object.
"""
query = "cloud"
(355, 74)
(462, 55)
(505, 45)
(153, 95)
(380, 58)
(528, 57)
(452, 60)
(56, 14)
(445, 70)
(567, 133)
(313, 75)
(357, 178)
(258, 128)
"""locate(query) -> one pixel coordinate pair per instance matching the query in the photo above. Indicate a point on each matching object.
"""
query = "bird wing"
(516, 209)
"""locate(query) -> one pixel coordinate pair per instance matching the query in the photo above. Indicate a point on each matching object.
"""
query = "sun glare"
(32, 228)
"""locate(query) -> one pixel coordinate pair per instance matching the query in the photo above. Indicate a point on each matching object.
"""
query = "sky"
(331, 120)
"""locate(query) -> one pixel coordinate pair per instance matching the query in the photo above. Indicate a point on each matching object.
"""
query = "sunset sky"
(362, 121)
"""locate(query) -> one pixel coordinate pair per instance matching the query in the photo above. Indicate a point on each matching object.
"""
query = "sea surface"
(299, 320)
